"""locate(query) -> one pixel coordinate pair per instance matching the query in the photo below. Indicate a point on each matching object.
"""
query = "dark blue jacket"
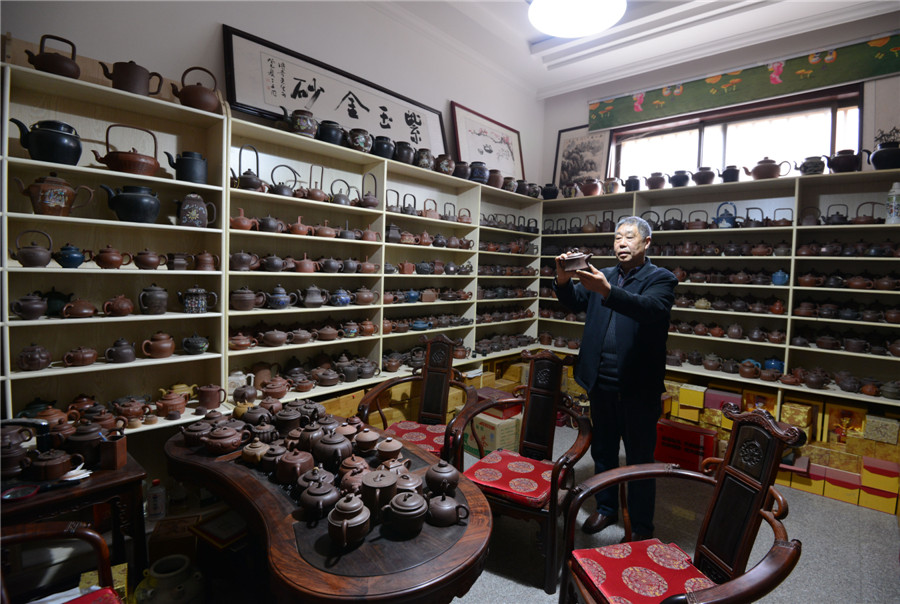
(641, 309)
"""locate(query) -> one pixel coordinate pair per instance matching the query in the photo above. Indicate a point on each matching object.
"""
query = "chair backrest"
(437, 373)
(743, 482)
(543, 394)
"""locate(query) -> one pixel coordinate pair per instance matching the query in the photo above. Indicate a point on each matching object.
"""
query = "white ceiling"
(673, 35)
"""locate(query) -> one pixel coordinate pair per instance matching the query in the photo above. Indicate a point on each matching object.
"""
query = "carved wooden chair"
(525, 483)
(437, 376)
(743, 495)
(56, 530)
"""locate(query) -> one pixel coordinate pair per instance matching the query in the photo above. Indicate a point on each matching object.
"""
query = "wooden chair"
(524, 483)
(56, 530)
(436, 377)
(742, 497)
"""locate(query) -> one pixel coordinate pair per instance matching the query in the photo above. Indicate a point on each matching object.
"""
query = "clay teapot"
(222, 440)
(53, 196)
(767, 168)
(53, 62)
(131, 162)
(195, 95)
(33, 255)
(50, 140)
(846, 160)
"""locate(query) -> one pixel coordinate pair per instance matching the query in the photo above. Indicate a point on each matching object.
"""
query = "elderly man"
(621, 363)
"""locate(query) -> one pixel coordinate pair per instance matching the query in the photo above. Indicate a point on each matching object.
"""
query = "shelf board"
(743, 340)
(112, 224)
(496, 230)
(169, 316)
(89, 268)
(425, 332)
(527, 299)
(259, 312)
(240, 233)
(730, 313)
(843, 353)
(878, 324)
(830, 390)
(187, 418)
(511, 322)
(237, 195)
(455, 225)
(69, 88)
(108, 175)
(256, 350)
(734, 285)
(57, 369)
(833, 290)
(257, 132)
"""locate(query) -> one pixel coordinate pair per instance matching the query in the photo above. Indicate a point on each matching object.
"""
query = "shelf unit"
(792, 198)
(31, 96)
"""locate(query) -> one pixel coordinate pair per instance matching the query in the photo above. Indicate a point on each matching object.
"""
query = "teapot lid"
(196, 290)
(54, 125)
(349, 505)
(51, 179)
(408, 503)
(766, 160)
(256, 445)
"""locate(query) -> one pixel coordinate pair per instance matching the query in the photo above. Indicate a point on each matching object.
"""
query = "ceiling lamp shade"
(575, 18)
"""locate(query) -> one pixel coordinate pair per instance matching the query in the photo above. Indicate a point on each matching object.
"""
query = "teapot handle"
(49, 240)
(241, 154)
(155, 144)
(340, 180)
(790, 212)
(294, 172)
(46, 37)
(719, 209)
(374, 179)
(198, 68)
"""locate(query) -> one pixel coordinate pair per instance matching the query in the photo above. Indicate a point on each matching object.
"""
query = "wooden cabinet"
(722, 265)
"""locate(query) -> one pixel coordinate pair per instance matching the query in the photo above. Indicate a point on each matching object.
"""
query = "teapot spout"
(23, 131)
(109, 192)
(106, 71)
(747, 172)
(175, 91)
(172, 160)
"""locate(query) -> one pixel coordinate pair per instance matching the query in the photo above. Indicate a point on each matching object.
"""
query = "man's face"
(629, 246)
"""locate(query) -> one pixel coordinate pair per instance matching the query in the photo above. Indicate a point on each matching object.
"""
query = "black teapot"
(50, 140)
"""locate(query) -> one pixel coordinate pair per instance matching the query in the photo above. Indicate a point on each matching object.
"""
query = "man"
(621, 364)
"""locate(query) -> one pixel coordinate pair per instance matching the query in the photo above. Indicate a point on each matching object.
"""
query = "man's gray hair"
(643, 227)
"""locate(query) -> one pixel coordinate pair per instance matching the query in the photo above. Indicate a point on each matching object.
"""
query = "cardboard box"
(861, 446)
(690, 395)
(796, 414)
(882, 429)
(173, 536)
(505, 385)
(818, 412)
(886, 452)
(811, 482)
(843, 460)
(883, 501)
(841, 485)
(494, 433)
(685, 445)
(880, 474)
(487, 379)
(711, 416)
(517, 372)
(689, 413)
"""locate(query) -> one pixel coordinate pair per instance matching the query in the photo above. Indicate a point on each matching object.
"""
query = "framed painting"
(265, 79)
(479, 138)
(580, 154)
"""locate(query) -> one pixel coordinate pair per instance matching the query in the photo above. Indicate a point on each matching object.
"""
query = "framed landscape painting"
(580, 154)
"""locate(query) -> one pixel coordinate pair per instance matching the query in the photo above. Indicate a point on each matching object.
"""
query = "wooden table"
(121, 488)
(436, 566)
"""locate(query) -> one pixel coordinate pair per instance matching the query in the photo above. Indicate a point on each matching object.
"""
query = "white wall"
(881, 98)
(363, 38)
(359, 37)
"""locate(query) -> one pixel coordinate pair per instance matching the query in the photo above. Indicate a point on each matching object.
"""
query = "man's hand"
(562, 275)
(594, 280)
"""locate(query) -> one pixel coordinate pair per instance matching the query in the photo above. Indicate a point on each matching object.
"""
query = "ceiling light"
(575, 18)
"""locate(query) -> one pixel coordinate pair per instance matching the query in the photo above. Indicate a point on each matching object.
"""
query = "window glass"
(785, 137)
(660, 153)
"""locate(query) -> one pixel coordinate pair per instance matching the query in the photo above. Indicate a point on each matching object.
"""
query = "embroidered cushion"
(637, 572)
(429, 437)
(511, 476)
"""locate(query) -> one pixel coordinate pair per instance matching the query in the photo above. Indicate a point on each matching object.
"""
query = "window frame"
(833, 98)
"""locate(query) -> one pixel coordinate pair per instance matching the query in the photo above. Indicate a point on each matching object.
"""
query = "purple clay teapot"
(767, 168)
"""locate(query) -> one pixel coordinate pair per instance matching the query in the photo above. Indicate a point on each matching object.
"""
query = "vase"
(171, 580)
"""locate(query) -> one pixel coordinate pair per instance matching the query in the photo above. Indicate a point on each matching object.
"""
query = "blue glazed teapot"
(725, 219)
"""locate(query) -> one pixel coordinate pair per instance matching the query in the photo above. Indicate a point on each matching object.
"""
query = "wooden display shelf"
(57, 369)
(111, 223)
(103, 319)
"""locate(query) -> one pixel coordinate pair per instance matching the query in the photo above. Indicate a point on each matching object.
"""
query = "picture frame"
(261, 78)
(479, 138)
(580, 154)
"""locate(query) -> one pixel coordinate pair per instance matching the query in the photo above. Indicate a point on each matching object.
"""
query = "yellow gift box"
(690, 414)
(841, 485)
(712, 417)
(880, 474)
(882, 429)
(874, 499)
(690, 395)
(796, 414)
(812, 482)
(120, 580)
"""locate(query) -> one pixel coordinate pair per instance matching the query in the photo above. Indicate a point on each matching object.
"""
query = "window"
(787, 129)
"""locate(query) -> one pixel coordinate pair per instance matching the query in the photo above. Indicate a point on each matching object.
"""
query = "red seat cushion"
(638, 572)
(511, 476)
(429, 437)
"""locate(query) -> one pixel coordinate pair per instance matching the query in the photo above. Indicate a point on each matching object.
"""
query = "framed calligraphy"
(479, 138)
(262, 78)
